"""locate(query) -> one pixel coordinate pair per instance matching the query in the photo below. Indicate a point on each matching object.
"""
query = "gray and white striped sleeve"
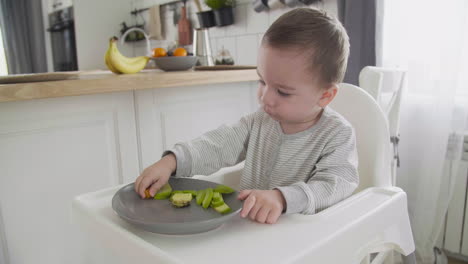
(222, 147)
(334, 178)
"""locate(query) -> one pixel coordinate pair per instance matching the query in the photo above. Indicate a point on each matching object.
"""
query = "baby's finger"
(253, 213)
(248, 204)
(262, 215)
(144, 184)
(243, 194)
(273, 216)
(156, 186)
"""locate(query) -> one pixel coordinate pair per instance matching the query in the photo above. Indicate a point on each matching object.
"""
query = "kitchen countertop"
(94, 82)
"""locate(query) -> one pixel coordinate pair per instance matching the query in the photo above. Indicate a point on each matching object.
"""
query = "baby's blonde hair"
(322, 38)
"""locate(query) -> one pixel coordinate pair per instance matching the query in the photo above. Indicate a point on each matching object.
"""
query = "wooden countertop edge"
(105, 82)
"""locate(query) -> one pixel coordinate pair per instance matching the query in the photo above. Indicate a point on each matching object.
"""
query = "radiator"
(454, 238)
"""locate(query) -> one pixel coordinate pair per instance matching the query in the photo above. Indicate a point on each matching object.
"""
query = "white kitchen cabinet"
(52, 150)
(170, 115)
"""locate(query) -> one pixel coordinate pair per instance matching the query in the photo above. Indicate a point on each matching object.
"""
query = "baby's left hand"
(263, 206)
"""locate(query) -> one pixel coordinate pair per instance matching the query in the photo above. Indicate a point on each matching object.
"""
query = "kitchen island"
(60, 139)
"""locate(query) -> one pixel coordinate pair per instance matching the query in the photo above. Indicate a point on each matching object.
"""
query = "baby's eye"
(261, 82)
(282, 93)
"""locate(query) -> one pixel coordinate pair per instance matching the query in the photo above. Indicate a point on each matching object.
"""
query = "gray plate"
(159, 216)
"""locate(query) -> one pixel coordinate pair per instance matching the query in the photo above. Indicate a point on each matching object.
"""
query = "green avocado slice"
(164, 192)
(222, 209)
(223, 189)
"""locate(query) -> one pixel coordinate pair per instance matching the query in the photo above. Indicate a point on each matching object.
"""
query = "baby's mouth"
(269, 112)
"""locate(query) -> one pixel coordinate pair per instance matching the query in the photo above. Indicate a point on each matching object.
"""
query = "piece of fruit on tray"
(181, 199)
(164, 192)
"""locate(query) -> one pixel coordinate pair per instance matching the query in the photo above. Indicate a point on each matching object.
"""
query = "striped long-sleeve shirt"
(313, 169)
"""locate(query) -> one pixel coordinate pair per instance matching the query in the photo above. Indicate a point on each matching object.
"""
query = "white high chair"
(374, 219)
(386, 86)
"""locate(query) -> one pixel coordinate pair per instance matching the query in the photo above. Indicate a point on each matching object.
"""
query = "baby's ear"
(327, 95)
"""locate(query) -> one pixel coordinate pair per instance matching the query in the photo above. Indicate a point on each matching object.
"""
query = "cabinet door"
(170, 115)
(52, 150)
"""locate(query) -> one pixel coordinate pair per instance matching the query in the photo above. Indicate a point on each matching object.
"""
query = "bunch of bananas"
(118, 63)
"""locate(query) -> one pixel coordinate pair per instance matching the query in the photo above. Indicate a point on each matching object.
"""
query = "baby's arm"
(223, 147)
(334, 178)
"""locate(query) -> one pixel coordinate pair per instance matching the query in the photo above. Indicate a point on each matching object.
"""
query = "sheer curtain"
(429, 39)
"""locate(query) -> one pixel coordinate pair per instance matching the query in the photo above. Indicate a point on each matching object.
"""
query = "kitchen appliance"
(202, 47)
(62, 36)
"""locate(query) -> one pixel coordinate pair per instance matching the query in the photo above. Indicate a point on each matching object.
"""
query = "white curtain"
(429, 39)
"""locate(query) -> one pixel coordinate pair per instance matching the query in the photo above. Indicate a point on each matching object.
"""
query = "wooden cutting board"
(224, 67)
(38, 77)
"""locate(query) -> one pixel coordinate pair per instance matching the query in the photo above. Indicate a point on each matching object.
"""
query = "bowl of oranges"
(176, 60)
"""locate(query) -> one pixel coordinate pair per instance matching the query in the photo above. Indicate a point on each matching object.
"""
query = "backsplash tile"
(240, 17)
(242, 39)
(256, 22)
(247, 46)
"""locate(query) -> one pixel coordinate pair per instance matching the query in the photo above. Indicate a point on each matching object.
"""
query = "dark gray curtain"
(23, 36)
(359, 18)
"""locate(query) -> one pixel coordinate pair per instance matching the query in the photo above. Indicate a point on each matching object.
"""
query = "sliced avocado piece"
(208, 197)
(216, 203)
(193, 192)
(217, 199)
(217, 196)
(181, 199)
(223, 189)
(200, 196)
(164, 192)
(222, 209)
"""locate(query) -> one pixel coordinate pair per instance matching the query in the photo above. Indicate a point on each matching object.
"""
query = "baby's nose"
(267, 98)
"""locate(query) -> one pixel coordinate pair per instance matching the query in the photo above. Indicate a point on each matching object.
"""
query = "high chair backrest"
(386, 85)
(372, 135)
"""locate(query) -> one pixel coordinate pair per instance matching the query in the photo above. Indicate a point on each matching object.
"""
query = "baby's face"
(288, 90)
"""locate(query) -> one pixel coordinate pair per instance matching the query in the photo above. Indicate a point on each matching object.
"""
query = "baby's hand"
(263, 206)
(155, 176)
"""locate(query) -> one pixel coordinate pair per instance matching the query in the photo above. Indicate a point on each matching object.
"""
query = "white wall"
(95, 23)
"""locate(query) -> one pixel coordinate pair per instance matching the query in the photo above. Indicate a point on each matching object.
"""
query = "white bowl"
(175, 63)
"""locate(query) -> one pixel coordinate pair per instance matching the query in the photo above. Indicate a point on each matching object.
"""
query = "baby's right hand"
(156, 175)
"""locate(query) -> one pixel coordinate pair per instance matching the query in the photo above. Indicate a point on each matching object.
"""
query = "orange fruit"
(147, 194)
(180, 52)
(159, 52)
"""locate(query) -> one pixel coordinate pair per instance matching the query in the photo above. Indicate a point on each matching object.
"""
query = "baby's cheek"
(260, 94)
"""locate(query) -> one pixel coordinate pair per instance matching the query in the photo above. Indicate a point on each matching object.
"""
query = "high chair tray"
(368, 218)
(160, 216)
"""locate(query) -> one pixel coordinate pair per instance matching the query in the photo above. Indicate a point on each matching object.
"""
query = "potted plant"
(223, 11)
